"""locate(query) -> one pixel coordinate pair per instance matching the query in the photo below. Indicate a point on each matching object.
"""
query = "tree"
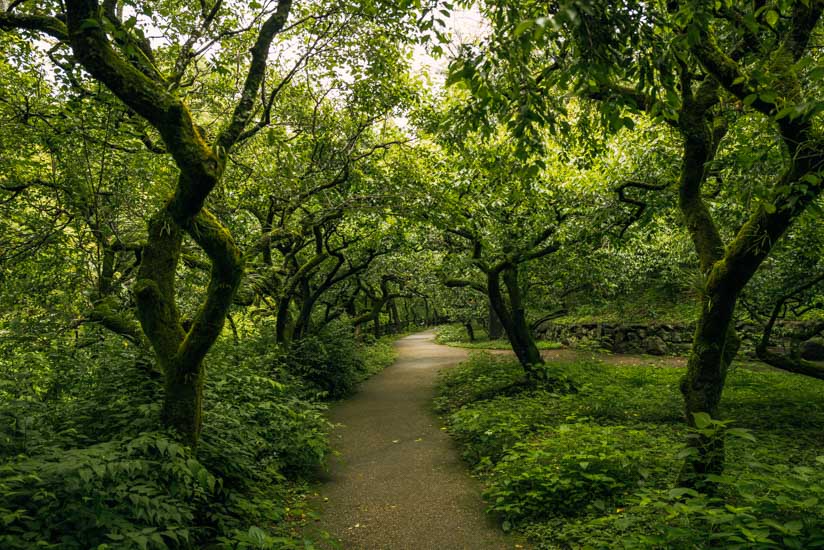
(154, 84)
(785, 295)
(500, 217)
(667, 61)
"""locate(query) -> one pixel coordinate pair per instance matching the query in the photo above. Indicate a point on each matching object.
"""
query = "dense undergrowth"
(83, 464)
(596, 467)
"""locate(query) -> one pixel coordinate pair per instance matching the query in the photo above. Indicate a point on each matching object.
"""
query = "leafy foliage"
(570, 470)
(85, 458)
(142, 492)
(328, 362)
(588, 468)
(332, 362)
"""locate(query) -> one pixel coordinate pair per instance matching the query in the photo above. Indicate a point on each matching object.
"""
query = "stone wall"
(653, 339)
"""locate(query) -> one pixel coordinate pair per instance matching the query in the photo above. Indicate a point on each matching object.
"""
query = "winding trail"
(398, 482)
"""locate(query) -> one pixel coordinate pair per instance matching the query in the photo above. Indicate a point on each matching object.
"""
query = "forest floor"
(567, 355)
(397, 481)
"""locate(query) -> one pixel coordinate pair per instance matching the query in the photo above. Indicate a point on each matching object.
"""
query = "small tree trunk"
(514, 322)
(405, 322)
(520, 334)
(284, 324)
(395, 315)
(303, 323)
(494, 326)
(233, 326)
(470, 332)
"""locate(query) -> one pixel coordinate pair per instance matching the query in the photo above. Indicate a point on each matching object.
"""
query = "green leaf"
(814, 179)
(89, 24)
(523, 26)
(702, 420)
(768, 97)
(771, 18)
(679, 492)
(741, 433)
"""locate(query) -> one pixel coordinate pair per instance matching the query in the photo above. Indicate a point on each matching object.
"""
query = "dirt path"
(398, 483)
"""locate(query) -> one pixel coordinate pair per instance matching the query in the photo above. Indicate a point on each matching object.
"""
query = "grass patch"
(377, 355)
(455, 335)
(596, 468)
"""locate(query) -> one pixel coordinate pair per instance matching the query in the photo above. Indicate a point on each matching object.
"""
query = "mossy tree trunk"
(128, 68)
(727, 269)
(714, 342)
(510, 308)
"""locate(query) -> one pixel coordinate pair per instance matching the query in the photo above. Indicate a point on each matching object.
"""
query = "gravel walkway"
(398, 482)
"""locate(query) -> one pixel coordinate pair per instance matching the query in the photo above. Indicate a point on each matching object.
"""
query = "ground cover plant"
(92, 458)
(597, 467)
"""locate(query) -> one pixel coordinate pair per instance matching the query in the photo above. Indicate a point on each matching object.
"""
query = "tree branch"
(257, 68)
(51, 26)
(463, 283)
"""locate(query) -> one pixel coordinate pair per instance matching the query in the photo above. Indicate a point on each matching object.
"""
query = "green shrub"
(448, 334)
(570, 470)
(264, 421)
(486, 430)
(624, 423)
(481, 376)
(137, 492)
(623, 395)
(486, 376)
(765, 507)
(328, 361)
(82, 467)
(377, 356)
